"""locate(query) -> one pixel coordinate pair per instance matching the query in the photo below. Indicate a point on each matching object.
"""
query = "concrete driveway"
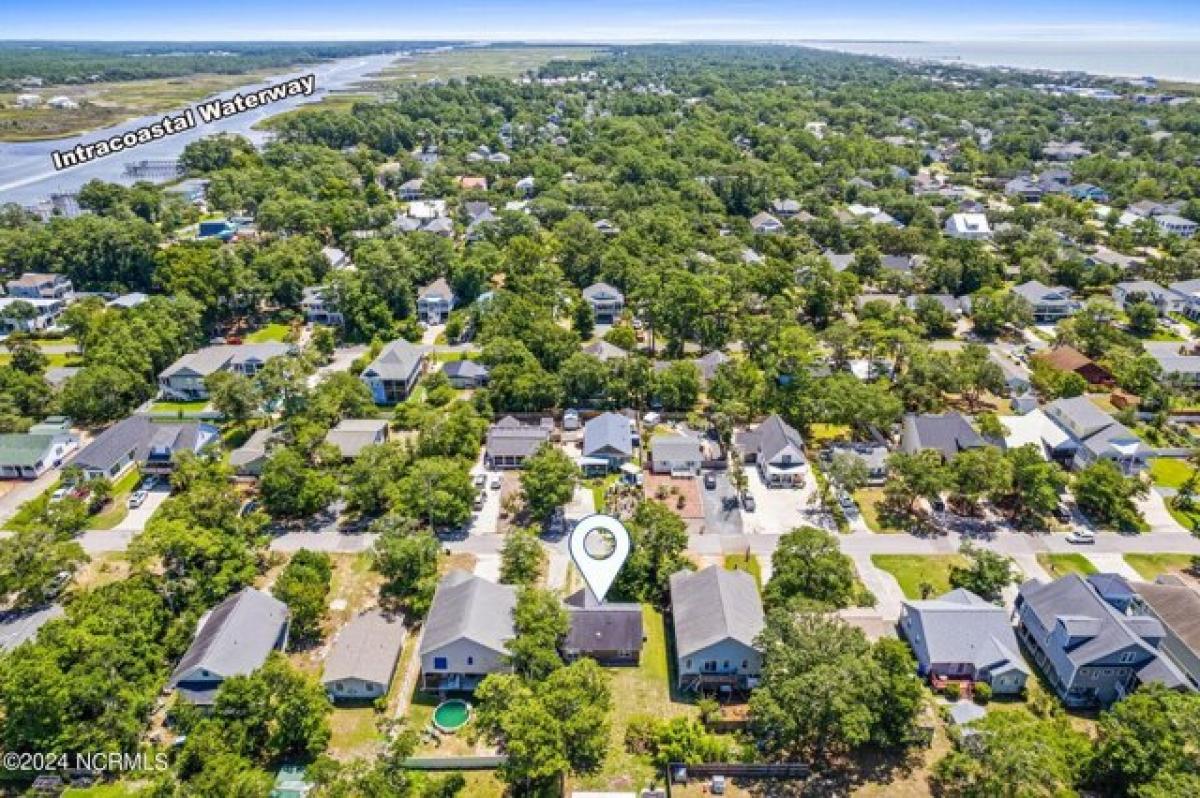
(717, 519)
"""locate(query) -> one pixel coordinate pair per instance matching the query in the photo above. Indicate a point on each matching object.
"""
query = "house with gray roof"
(1164, 299)
(363, 656)
(184, 379)
(28, 455)
(607, 302)
(232, 639)
(510, 443)
(1095, 435)
(960, 637)
(394, 373)
(435, 301)
(465, 374)
(608, 632)
(608, 439)
(716, 615)
(352, 435)
(777, 450)
(1049, 304)
(466, 632)
(1091, 654)
(948, 433)
(675, 454)
(1177, 608)
(139, 441)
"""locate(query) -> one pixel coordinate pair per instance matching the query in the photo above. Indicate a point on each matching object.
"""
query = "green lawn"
(749, 564)
(1062, 564)
(868, 500)
(271, 333)
(1170, 472)
(1150, 566)
(171, 408)
(912, 570)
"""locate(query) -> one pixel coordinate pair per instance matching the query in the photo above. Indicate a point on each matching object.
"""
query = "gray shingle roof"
(608, 430)
(137, 434)
(961, 627)
(236, 636)
(949, 434)
(713, 605)
(366, 648)
(467, 607)
(597, 627)
(399, 360)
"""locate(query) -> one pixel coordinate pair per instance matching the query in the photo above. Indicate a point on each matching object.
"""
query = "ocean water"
(1165, 60)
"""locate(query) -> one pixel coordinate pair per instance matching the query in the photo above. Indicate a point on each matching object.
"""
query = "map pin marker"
(599, 545)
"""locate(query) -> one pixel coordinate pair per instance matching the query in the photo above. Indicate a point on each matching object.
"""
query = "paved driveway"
(717, 519)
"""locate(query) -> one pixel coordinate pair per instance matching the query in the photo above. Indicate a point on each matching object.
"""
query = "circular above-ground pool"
(452, 715)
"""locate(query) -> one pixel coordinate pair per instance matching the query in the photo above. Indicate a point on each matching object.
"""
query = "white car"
(137, 499)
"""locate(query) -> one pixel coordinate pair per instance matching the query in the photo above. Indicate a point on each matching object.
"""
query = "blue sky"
(596, 20)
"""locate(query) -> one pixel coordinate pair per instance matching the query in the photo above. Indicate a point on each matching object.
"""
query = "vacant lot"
(913, 571)
(1151, 566)
(1062, 564)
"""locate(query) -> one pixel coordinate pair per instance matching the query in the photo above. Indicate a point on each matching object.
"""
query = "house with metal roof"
(234, 638)
(960, 637)
(30, 454)
(948, 433)
(716, 615)
(148, 444)
(435, 301)
(394, 373)
(184, 379)
(607, 302)
(1091, 654)
(608, 632)
(466, 632)
(608, 439)
(1177, 608)
(777, 450)
(510, 443)
(363, 656)
(352, 435)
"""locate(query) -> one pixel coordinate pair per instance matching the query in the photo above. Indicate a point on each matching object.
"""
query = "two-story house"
(1091, 654)
(607, 302)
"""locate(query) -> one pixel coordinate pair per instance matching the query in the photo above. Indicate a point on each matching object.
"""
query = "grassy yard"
(1150, 566)
(750, 564)
(1170, 472)
(1062, 564)
(913, 570)
(868, 500)
(271, 333)
(644, 690)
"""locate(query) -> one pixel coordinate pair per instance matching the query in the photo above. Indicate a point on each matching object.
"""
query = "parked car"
(710, 481)
(137, 499)
(1082, 537)
(748, 502)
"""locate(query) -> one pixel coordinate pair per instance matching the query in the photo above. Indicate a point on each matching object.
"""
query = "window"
(439, 663)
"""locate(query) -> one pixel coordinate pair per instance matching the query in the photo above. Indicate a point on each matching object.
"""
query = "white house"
(970, 226)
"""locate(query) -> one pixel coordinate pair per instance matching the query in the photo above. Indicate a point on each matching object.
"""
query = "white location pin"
(599, 545)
